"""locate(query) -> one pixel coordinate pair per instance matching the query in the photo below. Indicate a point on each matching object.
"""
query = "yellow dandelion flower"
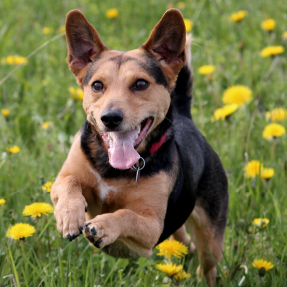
(2, 201)
(47, 30)
(239, 95)
(46, 125)
(37, 209)
(62, 29)
(14, 60)
(13, 149)
(267, 173)
(20, 230)
(20, 60)
(5, 112)
(238, 16)
(206, 69)
(224, 112)
(188, 25)
(260, 222)
(112, 13)
(284, 36)
(278, 114)
(180, 5)
(262, 265)
(170, 248)
(272, 51)
(253, 168)
(76, 93)
(272, 131)
(47, 186)
(170, 269)
(181, 275)
(268, 24)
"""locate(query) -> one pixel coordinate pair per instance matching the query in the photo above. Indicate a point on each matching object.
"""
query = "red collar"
(157, 145)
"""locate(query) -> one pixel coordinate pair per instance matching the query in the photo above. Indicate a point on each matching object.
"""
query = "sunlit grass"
(38, 92)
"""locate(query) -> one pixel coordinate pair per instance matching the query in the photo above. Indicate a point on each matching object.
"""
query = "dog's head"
(126, 94)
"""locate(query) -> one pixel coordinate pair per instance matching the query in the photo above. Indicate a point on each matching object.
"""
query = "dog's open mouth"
(121, 145)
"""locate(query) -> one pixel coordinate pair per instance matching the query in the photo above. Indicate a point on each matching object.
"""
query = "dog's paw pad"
(91, 238)
(98, 242)
(73, 236)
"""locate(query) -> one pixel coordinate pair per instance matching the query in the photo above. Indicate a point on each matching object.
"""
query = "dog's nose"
(112, 118)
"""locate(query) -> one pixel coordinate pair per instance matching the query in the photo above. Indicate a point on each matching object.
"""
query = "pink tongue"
(121, 152)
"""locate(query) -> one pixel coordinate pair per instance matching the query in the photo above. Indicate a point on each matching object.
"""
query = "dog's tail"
(182, 93)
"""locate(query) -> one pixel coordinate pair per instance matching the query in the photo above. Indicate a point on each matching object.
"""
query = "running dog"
(139, 170)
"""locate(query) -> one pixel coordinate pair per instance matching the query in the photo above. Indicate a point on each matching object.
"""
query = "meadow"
(40, 114)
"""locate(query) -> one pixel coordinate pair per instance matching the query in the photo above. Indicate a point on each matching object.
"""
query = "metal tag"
(138, 168)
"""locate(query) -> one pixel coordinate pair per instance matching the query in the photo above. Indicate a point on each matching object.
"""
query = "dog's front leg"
(139, 233)
(70, 206)
(138, 223)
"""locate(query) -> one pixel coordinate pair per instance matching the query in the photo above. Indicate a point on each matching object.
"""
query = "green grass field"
(38, 92)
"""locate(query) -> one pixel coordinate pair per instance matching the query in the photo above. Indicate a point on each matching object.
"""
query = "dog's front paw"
(70, 215)
(102, 230)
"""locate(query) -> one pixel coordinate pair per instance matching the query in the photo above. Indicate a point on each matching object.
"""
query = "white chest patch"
(104, 188)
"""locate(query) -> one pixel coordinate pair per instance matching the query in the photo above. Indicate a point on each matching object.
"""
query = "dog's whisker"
(169, 120)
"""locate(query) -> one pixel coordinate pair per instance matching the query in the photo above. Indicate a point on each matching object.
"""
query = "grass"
(38, 92)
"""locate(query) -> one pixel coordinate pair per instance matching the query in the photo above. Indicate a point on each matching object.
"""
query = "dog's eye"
(97, 86)
(141, 85)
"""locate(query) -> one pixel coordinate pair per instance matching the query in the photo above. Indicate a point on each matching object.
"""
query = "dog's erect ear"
(166, 42)
(84, 43)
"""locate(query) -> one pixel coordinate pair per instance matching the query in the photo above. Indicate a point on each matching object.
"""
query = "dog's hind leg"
(182, 236)
(209, 242)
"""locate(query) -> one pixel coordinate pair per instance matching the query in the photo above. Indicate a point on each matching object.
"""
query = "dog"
(139, 171)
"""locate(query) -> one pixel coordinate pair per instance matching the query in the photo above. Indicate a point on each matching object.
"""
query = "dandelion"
(181, 5)
(224, 112)
(263, 266)
(76, 93)
(188, 25)
(260, 222)
(284, 36)
(278, 114)
(13, 149)
(37, 209)
(268, 25)
(46, 125)
(2, 201)
(170, 269)
(14, 60)
(272, 51)
(238, 16)
(112, 13)
(239, 95)
(62, 29)
(267, 173)
(206, 69)
(47, 30)
(181, 275)
(20, 230)
(273, 131)
(5, 112)
(47, 186)
(253, 168)
(170, 248)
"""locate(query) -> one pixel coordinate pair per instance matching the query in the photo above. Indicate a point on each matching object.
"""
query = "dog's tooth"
(139, 128)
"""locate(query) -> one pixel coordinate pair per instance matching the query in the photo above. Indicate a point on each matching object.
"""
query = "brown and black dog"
(138, 112)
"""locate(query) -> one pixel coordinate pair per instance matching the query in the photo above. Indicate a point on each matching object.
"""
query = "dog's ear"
(84, 43)
(166, 42)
